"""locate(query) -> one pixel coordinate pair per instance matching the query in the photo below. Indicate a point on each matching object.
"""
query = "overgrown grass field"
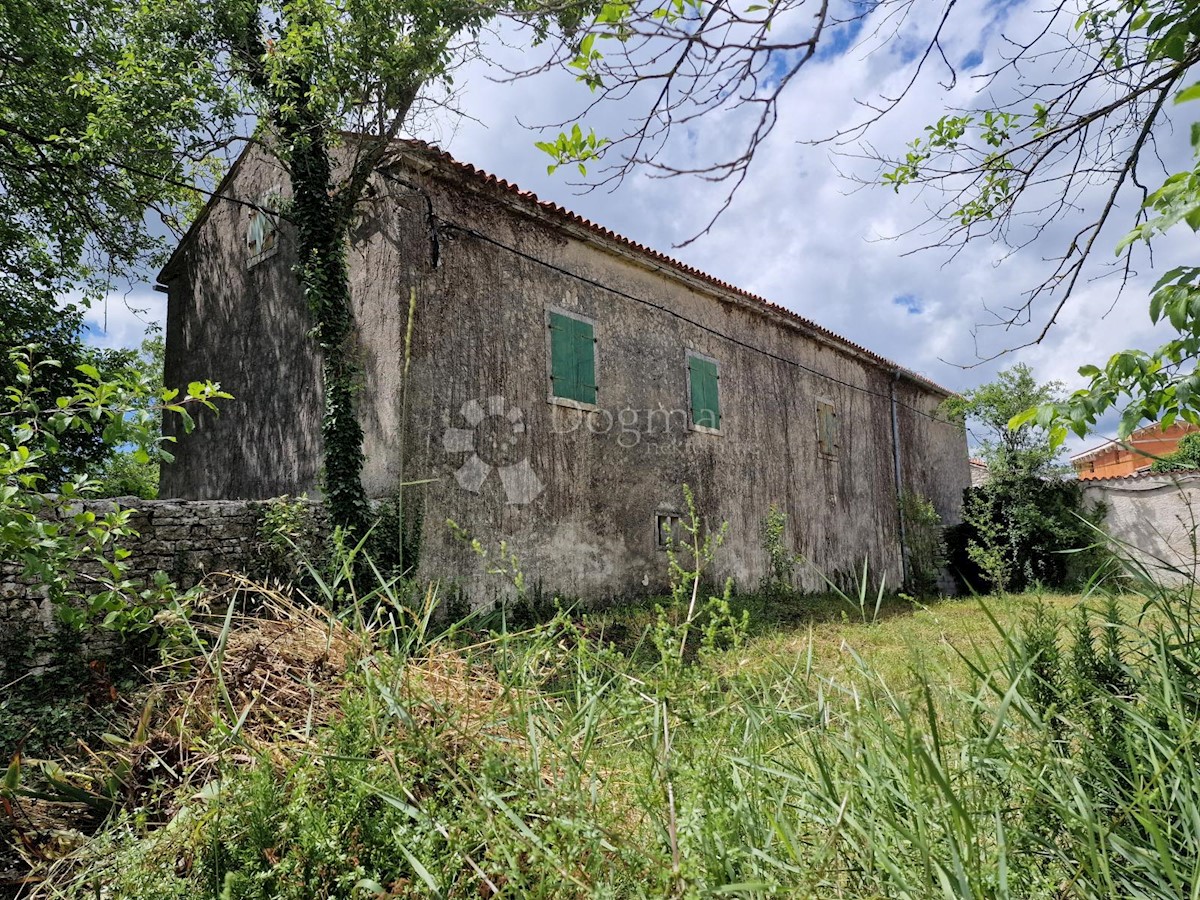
(1025, 746)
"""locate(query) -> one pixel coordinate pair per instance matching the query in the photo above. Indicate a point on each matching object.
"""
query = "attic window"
(827, 429)
(262, 229)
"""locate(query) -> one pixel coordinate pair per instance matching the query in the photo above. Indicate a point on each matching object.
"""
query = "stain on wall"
(573, 492)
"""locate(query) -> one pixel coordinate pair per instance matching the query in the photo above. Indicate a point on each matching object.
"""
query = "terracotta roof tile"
(1129, 476)
(561, 212)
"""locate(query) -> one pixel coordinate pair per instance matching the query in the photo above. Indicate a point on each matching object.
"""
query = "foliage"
(55, 540)
(26, 318)
(689, 557)
(1185, 457)
(1019, 526)
(292, 539)
(1048, 763)
(1025, 449)
(1092, 126)
(781, 562)
(1022, 531)
(71, 700)
(924, 544)
(79, 167)
(296, 547)
(123, 473)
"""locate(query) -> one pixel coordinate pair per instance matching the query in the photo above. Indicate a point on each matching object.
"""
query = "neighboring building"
(979, 472)
(1113, 459)
(564, 384)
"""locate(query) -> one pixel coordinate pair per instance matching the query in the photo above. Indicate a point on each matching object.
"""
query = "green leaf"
(12, 776)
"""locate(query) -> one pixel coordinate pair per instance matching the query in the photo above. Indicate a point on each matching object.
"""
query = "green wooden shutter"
(585, 362)
(714, 400)
(706, 407)
(572, 358)
(562, 356)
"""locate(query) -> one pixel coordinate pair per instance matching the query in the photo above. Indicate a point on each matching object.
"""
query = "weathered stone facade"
(576, 490)
(184, 539)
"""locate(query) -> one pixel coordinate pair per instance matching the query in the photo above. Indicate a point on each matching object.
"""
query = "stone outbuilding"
(562, 384)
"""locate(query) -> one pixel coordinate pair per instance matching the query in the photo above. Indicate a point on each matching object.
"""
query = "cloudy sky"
(802, 231)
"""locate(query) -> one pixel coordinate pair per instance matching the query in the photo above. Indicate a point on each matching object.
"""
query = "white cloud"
(806, 238)
(122, 317)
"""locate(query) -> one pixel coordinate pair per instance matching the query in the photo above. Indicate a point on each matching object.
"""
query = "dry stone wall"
(184, 539)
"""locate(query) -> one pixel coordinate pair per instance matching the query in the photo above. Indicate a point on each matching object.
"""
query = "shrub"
(925, 544)
(781, 562)
(1020, 531)
(1186, 456)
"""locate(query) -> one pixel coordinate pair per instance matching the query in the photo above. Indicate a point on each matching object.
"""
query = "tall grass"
(544, 763)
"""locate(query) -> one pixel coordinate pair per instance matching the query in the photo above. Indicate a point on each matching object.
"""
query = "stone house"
(563, 383)
(979, 472)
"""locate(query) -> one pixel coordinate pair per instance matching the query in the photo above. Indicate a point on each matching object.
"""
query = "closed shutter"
(585, 361)
(572, 358)
(706, 406)
(827, 428)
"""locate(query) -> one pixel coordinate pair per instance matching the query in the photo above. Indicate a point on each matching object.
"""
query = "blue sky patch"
(910, 303)
(972, 60)
(838, 39)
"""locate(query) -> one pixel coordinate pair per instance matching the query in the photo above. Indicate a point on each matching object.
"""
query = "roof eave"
(171, 266)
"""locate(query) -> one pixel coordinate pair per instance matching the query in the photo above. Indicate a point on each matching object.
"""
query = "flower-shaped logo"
(494, 440)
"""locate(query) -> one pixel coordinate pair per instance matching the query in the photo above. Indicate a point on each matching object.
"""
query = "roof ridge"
(561, 211)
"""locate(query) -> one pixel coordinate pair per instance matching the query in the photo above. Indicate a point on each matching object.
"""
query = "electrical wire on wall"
(435, 221)
(677, 315)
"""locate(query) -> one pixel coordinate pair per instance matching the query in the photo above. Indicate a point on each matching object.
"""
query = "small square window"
(827, 429)
(667, 529)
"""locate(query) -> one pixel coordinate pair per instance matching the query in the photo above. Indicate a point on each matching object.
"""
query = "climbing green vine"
(323, 275)
(331, 85)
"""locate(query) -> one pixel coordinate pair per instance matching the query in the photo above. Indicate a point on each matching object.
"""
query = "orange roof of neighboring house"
(1140, 473)
(563, 214)
(1110, 443)
(1093, 451)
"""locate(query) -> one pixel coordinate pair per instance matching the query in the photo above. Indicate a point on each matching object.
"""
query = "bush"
(781, 562)
(1020, 531)
(925, 542)
(1186, 456)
